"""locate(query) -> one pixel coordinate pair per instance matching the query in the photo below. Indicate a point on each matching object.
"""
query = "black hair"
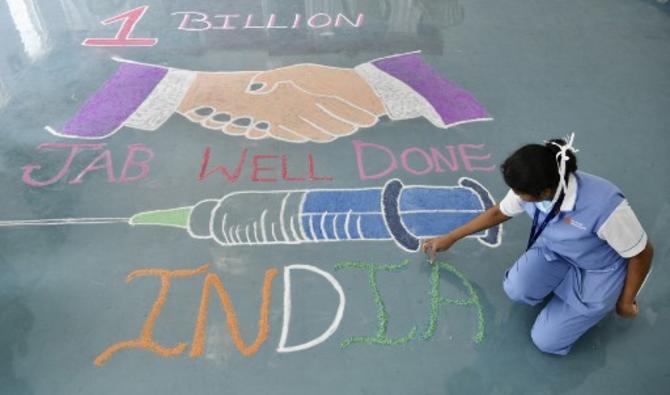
(533, 168)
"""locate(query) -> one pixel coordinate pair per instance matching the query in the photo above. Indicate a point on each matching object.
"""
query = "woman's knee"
(517, 289)
(548, 342)
(512, 288)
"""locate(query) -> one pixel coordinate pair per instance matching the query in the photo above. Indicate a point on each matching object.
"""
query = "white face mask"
(544, 205)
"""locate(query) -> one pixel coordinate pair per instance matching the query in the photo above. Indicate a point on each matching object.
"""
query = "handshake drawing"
(298, 103)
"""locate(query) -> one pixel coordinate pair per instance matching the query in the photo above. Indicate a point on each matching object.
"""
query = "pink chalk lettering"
(311, 22)
(257, 168)
(296, 21)
(312, 175)
(248, 24)
(226, 21)
(360, 146)
(221, 169)
(468, 159)
(133, 162)
(261, 168)
(106, 158)
(122, 39)
(341, 17)
(74, 150)
(438, 157)
(272, 20)
(187, 21)
(429, 163)
(284, 170)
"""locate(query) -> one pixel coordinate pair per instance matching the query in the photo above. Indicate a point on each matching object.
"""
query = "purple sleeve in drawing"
(453, 104)
(105, 111)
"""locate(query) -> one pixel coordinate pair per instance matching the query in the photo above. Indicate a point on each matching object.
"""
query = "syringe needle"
(64, 221)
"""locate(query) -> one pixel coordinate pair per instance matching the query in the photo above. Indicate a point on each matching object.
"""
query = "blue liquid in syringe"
(394, 212)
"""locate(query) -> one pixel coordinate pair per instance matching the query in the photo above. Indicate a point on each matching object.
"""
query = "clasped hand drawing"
(298, 103)
(295, 103)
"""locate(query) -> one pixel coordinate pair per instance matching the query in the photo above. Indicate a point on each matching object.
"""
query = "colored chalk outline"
(387, 218)
(289, 233)
(404, 84)
(147, 342)
(381, 337)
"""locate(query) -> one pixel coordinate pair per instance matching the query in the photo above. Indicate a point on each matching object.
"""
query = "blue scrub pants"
(558, 326)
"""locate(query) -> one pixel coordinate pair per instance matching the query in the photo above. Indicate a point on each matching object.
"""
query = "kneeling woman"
(586, 246)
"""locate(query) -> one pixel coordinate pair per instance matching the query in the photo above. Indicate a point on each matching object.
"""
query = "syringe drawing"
(404, 214)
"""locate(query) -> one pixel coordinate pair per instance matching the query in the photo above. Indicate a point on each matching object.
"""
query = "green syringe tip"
(175, 217)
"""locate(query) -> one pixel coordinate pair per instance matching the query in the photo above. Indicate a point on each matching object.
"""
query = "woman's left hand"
(627, 309)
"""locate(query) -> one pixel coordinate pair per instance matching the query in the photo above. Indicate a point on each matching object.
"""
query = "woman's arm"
(485, 220)
(638, 268)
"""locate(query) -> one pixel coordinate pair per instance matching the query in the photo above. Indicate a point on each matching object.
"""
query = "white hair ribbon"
(561, 159)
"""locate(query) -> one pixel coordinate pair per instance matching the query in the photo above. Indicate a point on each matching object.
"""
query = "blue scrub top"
(594, 282)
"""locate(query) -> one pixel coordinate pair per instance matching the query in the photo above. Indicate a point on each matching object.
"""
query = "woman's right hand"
(437, 244)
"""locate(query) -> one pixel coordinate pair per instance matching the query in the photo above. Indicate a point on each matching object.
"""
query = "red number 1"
(123, 39)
